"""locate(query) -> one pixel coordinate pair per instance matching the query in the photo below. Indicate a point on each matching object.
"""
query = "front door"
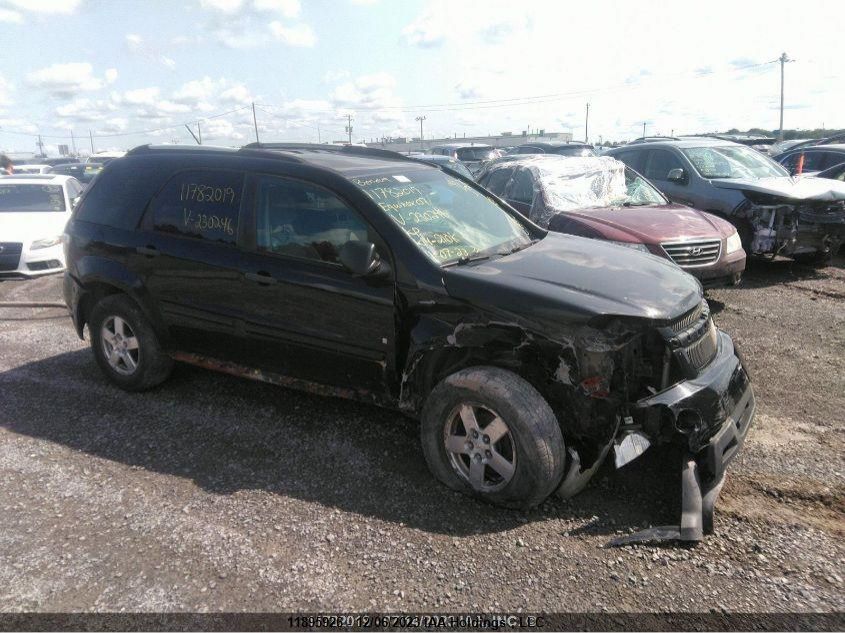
(309, 317)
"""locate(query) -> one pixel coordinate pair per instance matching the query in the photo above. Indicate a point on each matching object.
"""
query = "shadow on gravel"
(228, 434)
(761, 273)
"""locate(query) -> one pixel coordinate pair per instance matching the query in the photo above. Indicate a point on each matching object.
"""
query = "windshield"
(593, 182)
(474, 153)
(460, 168)
(447, 219)
(24, 198)
(732, 161)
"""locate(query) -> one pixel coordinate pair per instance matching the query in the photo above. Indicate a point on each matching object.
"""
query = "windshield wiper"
(466, 259)
(517, 248)
(635, 204)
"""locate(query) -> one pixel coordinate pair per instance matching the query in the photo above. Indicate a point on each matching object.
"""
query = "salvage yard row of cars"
(533, 320)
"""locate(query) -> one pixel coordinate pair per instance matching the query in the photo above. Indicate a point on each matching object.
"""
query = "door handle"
(148, 251)
(265, 279)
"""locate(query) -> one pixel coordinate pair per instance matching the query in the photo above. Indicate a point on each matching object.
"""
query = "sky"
(129, 72)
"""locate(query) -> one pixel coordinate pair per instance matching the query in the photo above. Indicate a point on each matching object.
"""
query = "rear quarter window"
(120, 193)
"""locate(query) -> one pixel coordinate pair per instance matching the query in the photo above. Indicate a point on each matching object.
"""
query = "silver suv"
(774, 213)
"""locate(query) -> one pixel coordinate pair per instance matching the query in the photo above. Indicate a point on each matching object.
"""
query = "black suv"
(364, 274)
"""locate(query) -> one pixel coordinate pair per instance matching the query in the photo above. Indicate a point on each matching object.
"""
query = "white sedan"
(33, 213)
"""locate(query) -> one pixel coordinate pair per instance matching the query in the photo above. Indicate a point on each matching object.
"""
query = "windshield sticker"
(401, 178)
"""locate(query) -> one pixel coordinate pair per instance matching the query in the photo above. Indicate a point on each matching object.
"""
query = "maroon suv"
(601, 198)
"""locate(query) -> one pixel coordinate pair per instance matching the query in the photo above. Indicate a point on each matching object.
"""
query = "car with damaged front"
(775, 214)
(526, 355)
(601, 198)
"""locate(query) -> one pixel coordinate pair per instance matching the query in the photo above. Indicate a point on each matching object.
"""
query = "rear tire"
(487, 433)
(126, 346)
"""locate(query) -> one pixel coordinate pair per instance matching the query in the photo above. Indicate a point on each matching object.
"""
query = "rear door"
(309, 317)
(190, 262)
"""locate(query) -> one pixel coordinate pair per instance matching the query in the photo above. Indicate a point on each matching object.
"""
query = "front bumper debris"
(721, 394)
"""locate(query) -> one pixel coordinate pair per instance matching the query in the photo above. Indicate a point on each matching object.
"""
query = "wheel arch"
(99, 277)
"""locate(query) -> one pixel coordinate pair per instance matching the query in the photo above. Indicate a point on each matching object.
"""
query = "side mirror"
(677, 175)
(74, 202)
(362, 260)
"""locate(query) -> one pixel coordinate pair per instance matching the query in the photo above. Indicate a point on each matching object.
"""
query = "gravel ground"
(214, 493)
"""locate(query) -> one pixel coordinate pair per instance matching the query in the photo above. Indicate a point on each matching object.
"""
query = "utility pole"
(783, 59)
(255, 122)
(643, 129)
(421, 119)
(587, 125)
(349, 127)
(199, 132)
(91, 136)
(318, 133)
(40, 144)
(73, 142)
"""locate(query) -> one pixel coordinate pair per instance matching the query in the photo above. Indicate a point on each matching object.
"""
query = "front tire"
(126, 346)
(488, 433)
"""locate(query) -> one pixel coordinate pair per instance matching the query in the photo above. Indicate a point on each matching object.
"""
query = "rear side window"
(202, 204)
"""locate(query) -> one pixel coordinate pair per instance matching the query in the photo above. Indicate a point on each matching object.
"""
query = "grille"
(695, 253)
(704, 349)
(688, 319)
(10, 254)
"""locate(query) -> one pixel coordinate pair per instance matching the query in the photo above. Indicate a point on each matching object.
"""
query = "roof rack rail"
(149, 147)
(355, 150)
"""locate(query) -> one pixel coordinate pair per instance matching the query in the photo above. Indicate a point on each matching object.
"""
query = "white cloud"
(5, 92)
(286, 8)
(141, 96)
(224, 6)
(295, 35)
(85, 110)
(198, 92)
(137, 46)
(63, 7)
(10, 17)
(64, 80)
(110, 75)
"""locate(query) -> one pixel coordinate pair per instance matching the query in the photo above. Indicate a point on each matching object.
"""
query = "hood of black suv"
(574, 278)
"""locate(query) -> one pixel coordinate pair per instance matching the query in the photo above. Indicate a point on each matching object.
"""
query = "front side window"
(25, 198)
(447, 219)
(523, 187)
(202, 204)
(298, 219)
(660, 163)
(497, 182)
(732, 161)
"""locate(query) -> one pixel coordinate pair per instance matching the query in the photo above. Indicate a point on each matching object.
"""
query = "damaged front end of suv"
(805, 221)
(619, 376)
